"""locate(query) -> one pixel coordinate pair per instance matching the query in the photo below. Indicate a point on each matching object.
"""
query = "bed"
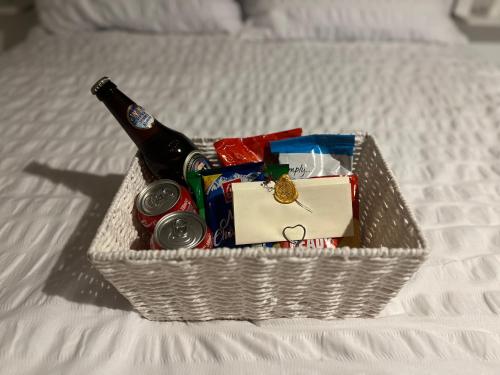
(434, 112)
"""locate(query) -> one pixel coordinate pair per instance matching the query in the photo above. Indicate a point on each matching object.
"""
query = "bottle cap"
(99, 84)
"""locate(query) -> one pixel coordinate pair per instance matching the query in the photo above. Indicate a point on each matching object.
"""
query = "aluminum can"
(160, 198)
(181, 229)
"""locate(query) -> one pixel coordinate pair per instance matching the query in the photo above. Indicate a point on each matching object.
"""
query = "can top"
(158, 197)
(99, 84)
(180, 229)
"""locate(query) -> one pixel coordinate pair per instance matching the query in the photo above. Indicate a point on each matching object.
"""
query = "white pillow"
(61, 16)
(350, 20)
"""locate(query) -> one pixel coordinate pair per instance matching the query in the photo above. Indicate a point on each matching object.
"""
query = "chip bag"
(235, 151)
(316, 155)
(219, 199)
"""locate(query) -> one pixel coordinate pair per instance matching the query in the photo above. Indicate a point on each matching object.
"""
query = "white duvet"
(435, 114)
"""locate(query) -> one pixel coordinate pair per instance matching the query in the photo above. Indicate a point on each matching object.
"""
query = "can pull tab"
(180, 229)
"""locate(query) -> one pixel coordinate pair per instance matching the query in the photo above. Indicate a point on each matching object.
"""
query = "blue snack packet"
(219, 198)
(316, 155)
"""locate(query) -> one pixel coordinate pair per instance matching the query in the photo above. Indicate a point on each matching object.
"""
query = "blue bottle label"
(139, 118)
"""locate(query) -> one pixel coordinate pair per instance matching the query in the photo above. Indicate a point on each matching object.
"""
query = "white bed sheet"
(435, 114)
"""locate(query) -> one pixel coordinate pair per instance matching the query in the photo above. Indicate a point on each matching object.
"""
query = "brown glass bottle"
(166, 152)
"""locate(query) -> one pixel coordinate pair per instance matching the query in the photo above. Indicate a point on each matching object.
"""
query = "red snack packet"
(235, 151)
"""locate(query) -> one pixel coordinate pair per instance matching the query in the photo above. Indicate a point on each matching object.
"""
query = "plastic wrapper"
(235, 151)
(316, 155)
(195, 183)
(275, 171)
(219, 199)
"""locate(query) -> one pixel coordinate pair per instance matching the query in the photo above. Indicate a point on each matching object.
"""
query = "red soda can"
(181, 229)
(160, 198)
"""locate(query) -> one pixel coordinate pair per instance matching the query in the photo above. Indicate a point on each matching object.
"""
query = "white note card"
(258, 217)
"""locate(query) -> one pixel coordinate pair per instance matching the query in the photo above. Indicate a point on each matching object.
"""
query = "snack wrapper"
(195, 183)
(316, 155)
(236, 151)
(219, 200)
(275, 171)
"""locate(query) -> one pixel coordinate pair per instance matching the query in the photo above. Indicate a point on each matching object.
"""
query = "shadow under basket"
(260, 283)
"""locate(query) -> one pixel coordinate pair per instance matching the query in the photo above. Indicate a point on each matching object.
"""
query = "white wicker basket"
(257, 283)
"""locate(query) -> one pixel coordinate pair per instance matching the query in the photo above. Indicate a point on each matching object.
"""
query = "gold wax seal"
(285, 190)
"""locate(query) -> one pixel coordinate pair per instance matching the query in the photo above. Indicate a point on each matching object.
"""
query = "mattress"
(435, 114)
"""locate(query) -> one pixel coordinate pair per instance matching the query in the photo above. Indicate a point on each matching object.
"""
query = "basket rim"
(256, 252)
(148, 255)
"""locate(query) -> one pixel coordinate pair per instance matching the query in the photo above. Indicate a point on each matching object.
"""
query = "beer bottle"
(166, 152)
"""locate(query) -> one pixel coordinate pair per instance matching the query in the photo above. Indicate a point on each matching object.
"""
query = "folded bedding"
(353, 20)
(158, 16)
(332, 20)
